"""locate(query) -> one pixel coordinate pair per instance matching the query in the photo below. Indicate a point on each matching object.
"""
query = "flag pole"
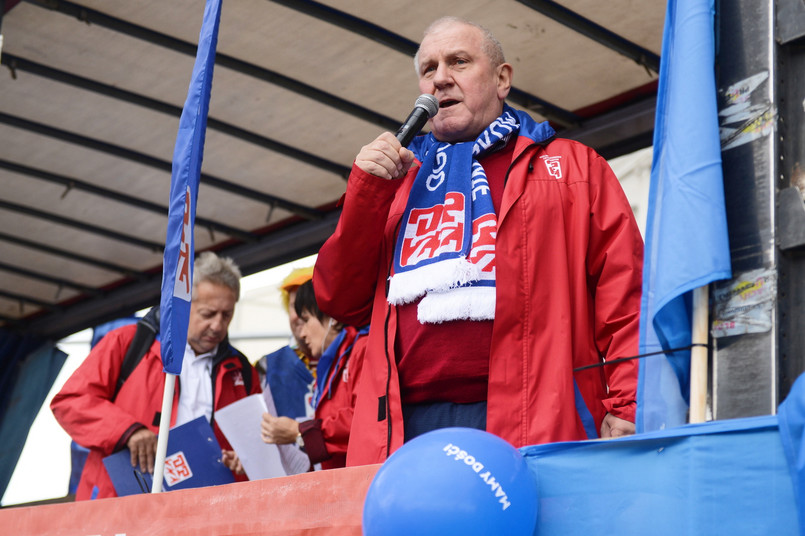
(164, 428)
(698, 355)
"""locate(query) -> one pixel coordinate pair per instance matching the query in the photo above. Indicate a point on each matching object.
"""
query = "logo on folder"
(177, 469)
(192, 444)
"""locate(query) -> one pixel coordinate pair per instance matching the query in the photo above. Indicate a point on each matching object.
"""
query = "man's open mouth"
(447, 103)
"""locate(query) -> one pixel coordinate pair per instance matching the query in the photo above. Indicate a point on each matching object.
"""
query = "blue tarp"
(26, 383)
(723, 477)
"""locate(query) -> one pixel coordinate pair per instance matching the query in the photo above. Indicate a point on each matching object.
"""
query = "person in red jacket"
(214, 374)
(492, 260)
(288, 373)
(339, 350)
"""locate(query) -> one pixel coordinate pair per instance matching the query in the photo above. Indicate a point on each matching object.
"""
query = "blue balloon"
(452, 481)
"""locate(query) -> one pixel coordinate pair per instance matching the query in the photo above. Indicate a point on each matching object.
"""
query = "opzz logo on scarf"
(431, 232)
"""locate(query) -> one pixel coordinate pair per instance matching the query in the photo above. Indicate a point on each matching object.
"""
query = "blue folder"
(193, 460)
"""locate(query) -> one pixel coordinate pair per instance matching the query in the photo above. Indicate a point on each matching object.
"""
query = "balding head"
(491, 46)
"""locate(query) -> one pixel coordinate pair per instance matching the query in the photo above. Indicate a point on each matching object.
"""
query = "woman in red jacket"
(339, 350)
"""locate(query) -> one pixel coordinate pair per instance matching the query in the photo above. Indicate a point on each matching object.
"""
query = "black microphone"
(425, 107)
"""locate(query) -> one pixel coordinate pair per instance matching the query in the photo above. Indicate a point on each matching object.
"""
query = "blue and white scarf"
(331, 360)
(445, 251)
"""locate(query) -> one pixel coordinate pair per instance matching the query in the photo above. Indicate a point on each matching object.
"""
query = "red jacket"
(85, 410)
(569, 269)
(337, 402)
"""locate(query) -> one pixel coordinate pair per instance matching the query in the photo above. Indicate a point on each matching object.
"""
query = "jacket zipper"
(386, 346)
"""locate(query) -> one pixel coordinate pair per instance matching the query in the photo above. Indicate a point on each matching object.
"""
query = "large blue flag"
(791, 416)
(177, 275)
(686, 232)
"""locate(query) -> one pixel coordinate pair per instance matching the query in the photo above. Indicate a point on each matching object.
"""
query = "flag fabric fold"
(686, 231)
(791, 418)
(177, 275)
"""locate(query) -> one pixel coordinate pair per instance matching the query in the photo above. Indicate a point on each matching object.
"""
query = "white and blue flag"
(177, 276)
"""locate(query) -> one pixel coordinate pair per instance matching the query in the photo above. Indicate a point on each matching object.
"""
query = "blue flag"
(177, 275)
(686, 233)
(791, 416)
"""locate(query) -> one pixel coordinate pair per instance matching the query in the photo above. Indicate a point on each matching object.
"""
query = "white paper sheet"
(294, 461)
(240, 423)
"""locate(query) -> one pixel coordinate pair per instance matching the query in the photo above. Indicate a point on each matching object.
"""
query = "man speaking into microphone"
(492, 260)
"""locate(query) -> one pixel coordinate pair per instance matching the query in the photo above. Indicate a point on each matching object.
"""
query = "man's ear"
(504, 73)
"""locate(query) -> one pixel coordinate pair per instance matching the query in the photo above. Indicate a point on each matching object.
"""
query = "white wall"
(633, 171)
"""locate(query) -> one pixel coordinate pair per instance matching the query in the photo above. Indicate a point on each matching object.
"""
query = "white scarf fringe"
(465, 303)
(406, 287)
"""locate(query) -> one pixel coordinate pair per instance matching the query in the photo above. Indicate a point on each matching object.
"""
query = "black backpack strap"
(147, 329)
(247, 372)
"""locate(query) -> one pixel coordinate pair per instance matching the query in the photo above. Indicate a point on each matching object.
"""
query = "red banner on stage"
(324, 502)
